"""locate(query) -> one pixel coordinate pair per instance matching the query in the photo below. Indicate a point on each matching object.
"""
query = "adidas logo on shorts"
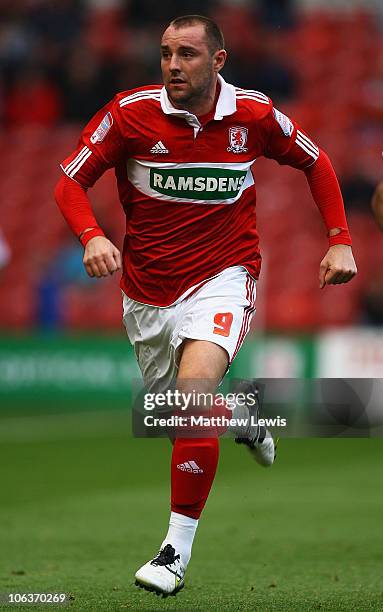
(190, 466)
(159, 147)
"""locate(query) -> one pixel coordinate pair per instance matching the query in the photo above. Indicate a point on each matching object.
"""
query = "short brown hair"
(214, 34)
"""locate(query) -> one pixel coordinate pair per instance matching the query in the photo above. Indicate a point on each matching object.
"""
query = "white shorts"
(220, 311)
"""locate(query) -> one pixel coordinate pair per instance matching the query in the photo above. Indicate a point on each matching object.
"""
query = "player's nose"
(174, 65)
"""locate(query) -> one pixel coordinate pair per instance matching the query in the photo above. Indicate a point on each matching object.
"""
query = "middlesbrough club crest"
(237, 139)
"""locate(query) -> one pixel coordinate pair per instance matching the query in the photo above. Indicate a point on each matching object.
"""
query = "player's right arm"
(101, 257)
(100, 147)
(377, 204)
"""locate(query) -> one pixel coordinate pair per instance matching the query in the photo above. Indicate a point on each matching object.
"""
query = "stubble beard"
(196, 95)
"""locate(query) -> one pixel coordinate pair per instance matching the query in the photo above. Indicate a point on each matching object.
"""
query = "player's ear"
(219, 59)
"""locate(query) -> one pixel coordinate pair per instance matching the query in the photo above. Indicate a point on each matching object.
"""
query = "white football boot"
(164, 575)
(259, 440)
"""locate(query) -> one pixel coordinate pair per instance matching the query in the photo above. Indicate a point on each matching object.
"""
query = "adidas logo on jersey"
(190, 466)
(159, 147)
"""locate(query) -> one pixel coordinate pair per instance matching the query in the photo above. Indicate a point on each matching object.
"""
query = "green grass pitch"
(83, 505)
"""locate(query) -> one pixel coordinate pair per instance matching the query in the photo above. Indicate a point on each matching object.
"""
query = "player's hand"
(337, 266)
(101, 257)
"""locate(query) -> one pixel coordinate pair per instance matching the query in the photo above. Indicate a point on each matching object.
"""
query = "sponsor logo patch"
(237, 140)
(197, 183)
(284, 122)
(102, 130)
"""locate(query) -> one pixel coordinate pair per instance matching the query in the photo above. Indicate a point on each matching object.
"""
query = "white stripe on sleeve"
(74, 161)
(308, 150)
(309, 143)
(79, 165)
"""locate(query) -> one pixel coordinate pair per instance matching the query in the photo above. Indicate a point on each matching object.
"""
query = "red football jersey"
(187, 189)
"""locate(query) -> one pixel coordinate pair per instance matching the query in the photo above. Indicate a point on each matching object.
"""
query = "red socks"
(194, 464)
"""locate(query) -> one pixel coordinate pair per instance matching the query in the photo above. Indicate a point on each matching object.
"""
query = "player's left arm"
(288, 144)
(377, 204)
(338, 265)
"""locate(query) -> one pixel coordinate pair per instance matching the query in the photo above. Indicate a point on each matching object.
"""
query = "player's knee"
(203, 360)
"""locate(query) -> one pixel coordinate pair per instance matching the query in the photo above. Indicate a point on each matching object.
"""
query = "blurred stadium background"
(63, 349)
(321, 62)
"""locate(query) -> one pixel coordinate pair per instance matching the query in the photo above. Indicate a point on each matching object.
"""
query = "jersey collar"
(226, 103)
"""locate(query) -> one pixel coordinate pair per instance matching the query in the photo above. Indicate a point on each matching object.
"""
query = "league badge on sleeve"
(237, 139)
(284, 122)
(102, 130)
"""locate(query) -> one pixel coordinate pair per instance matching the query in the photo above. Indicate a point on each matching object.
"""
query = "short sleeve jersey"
(187, 188)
